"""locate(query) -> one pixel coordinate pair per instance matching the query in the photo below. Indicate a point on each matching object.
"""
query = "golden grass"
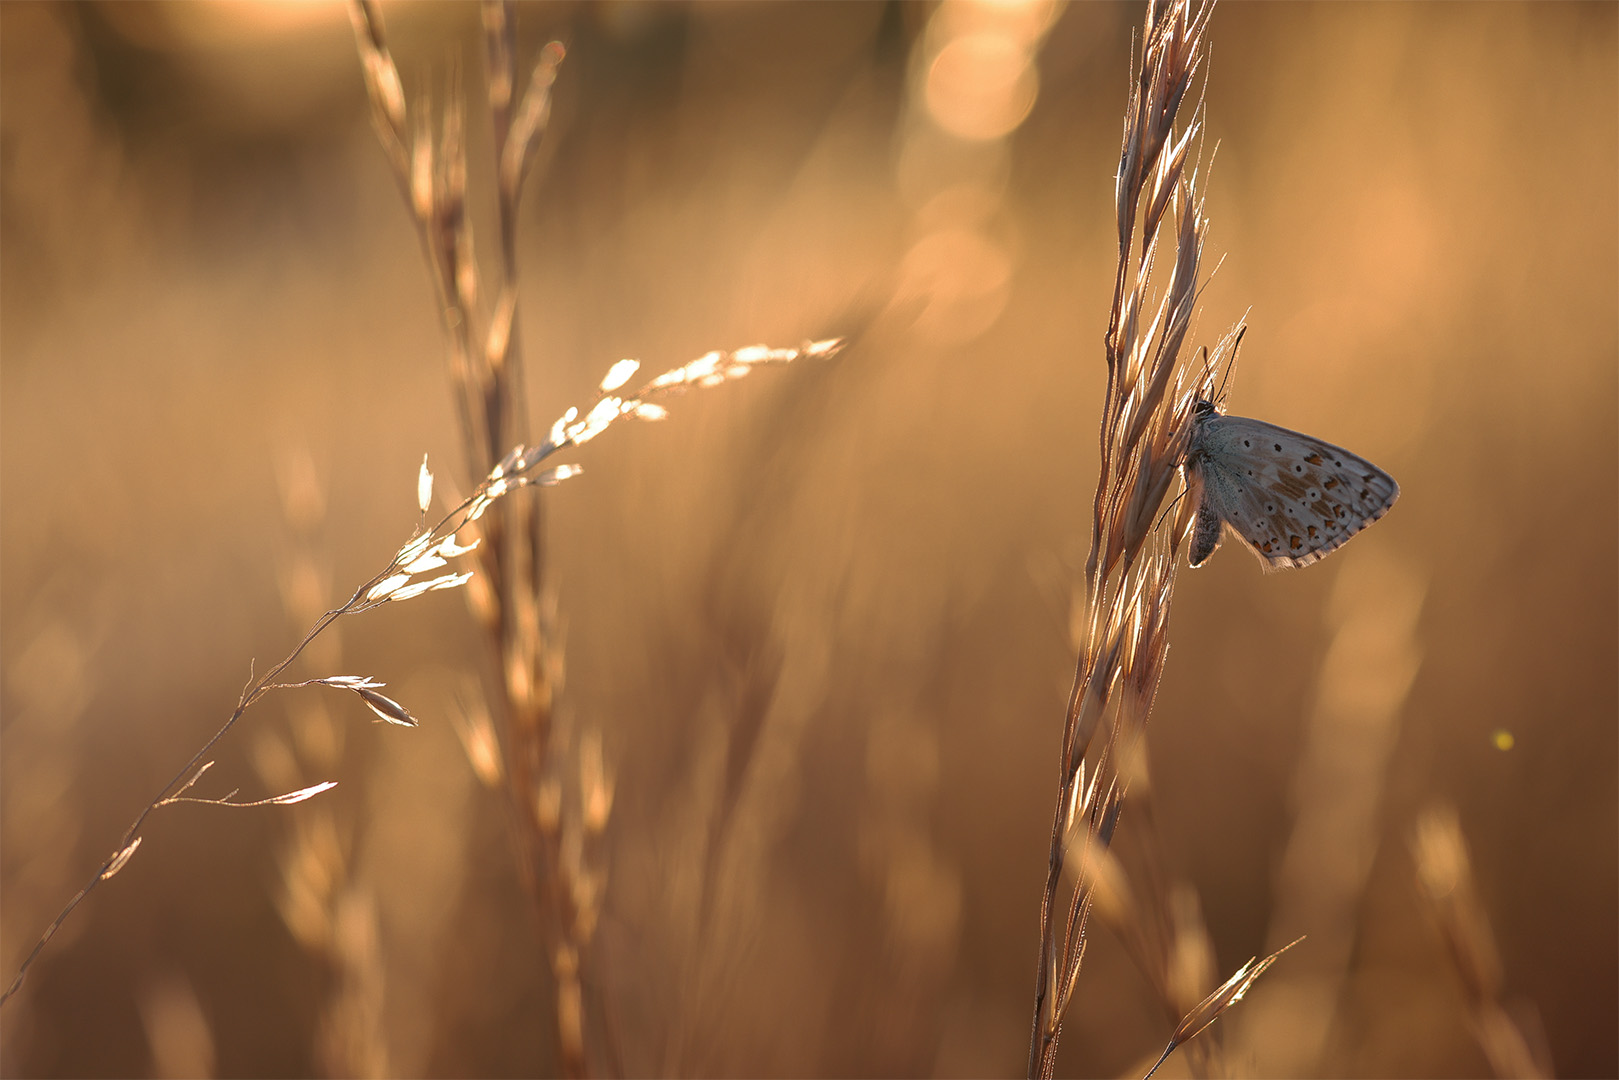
(836, 591)
(1130, 572)
(502, 530)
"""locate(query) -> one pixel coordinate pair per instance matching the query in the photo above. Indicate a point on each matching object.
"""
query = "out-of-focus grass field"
(209, 288)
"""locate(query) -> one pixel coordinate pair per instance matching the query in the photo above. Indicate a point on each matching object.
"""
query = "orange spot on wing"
(1331, 483)
(1313, 459)
(1295, 543)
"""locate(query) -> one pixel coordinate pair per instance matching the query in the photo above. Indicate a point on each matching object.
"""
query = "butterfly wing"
(1291, 497)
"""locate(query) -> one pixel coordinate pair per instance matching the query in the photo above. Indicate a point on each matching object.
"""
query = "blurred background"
(222, 365)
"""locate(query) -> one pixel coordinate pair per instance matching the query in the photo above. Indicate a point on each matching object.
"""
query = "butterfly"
(1291, 497)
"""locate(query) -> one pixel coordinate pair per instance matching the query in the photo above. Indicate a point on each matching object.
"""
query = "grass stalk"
(1450, 896)
(485, 362)
(553, 850)
(1144, 431)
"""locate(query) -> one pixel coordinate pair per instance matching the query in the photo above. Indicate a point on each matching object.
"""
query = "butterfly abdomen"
(1205, 535)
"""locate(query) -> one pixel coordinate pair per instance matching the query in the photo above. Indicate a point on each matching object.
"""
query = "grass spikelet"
(1210, 1008)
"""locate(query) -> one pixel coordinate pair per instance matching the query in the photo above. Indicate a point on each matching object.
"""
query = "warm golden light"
(803, 647)
(981, 86)
(963, 274)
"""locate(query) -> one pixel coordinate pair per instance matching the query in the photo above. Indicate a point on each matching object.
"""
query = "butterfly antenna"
(1206, 362)
(1236, 347)
(1168, 510)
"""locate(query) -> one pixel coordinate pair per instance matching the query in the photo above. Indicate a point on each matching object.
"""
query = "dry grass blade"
(529, 125)
(1209, 1009)
(1144, 432)
(291, 797)
(382, 83)
(1445, 874)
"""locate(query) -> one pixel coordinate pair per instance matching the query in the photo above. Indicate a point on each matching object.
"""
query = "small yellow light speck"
(1503, 739)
